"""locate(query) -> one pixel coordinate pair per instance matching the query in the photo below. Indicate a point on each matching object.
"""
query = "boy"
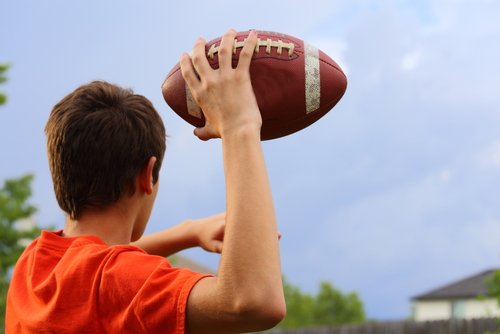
(105, 148)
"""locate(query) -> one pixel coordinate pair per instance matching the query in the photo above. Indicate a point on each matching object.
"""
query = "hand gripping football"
(295, 84)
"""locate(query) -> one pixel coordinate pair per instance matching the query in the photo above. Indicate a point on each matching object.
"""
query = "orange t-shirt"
(82, 285)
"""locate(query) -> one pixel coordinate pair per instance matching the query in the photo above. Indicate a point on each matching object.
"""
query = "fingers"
(219, 91)
(247, 51)
(210, 232)
(188, 71)
(199, 58)
(195, 67)
(226, 49)
(217, 246)
(198, 66)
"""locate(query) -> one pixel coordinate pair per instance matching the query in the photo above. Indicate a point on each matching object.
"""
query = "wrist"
(191, 233)
(242, 132)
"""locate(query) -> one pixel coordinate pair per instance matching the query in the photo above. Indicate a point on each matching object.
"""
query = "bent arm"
(169, 241)
(207, 233)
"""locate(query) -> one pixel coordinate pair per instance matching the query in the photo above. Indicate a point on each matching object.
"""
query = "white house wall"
(431, 310)
(485, 308)
(442, 309)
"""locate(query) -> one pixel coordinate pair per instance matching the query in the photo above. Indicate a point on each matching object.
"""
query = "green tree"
(14, 207)
(332, 307)
(493, 285)
(299, 307)
(3, 78)
(328, 307)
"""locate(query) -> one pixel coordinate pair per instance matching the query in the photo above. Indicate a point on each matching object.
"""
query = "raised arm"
(247, 294)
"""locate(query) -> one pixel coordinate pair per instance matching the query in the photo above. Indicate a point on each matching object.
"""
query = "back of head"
(99, 137)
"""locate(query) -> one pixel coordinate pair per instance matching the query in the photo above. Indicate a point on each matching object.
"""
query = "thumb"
(204, 133)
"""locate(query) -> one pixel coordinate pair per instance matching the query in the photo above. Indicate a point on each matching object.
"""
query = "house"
(463, 299)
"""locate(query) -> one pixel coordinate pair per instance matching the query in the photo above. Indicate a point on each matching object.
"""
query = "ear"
(146, 177)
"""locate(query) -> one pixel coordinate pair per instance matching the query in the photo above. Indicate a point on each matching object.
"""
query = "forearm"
(250, 261)
(169, 241)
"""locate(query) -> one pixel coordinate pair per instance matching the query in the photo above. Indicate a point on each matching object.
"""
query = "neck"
(114, 224)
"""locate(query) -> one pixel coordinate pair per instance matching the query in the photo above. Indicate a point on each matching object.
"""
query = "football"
(295, 83)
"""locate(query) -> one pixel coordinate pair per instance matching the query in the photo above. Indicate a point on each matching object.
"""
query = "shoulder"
(133, 259)
(147, 285)
(145, 269)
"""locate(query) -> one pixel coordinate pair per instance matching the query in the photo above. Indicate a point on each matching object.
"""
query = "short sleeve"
(142, 293)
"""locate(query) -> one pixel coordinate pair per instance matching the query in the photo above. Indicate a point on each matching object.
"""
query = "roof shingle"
(469, 287)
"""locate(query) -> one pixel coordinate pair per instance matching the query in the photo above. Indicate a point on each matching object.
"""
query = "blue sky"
(391, 194)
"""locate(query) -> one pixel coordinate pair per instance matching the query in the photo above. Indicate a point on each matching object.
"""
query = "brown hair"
(99, 137)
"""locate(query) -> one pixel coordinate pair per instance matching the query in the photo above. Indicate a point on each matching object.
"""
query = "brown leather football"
(295, 83)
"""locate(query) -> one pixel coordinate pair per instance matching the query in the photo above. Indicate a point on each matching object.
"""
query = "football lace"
(267, 43)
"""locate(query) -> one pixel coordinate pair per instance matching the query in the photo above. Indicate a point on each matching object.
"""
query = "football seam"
(335, 66)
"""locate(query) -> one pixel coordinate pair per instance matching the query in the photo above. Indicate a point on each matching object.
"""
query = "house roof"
(180, 261)
(469, 287)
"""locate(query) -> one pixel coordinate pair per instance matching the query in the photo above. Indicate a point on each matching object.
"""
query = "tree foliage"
(493, 285)
(14, 207)
(328, 307)
(299, 307)
(3, 78)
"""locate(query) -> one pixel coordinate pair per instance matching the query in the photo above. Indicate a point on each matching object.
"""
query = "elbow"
(271, 315)
(262, 313)
(275, 315)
